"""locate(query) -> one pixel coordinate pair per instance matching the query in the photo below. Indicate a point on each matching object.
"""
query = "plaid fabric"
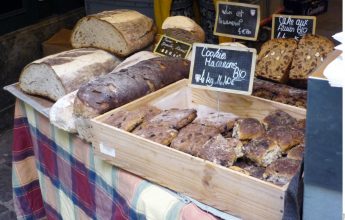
(56, 176)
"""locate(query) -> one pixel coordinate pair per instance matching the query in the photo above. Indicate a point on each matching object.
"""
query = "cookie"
(248, 128)
(278, 118)
(281, 171)
(286, 136)
(157, 133)
(221, 120)
(174, 118)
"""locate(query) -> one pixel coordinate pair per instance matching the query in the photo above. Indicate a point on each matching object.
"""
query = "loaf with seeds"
(275, 58)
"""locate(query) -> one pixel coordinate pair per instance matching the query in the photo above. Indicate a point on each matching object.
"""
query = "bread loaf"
(281, 171)
(61, 113)
(278, 118)
(248, 128)
(184, 29)
(134, 59)
(57, 75)
(274, 59)
(121, 32)
(310, 52)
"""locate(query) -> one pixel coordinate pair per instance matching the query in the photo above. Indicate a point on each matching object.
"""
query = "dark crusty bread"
(274, 59)
(249, 168)
(118, 88)
(281, 171)
(218, 150)
(310, 52)
(248, 128)
(262, 151)
(278, 118)
(128, 120)
(157, 133)
(221, 120)
(286, 136)
(280, 93)
(296, 153)
(192, 137)
(173, 118)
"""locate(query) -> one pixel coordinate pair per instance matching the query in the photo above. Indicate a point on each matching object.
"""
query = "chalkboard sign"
(169, 46)
(237, 20)
(223, 68)
(291, 26)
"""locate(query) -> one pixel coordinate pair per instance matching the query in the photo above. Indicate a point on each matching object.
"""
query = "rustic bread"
(274, 59)
(280, 93)
(184, 29)
(281, 171)
(134, 59)
(278, 118)
(129, 120)
(121, 32)
(262, 151)
(310, 52)
(61, 113)
(218, 150)
(237, 146)
(157, 133)
(249, 168)
(286, 136)
(248, 128)
(118, 88)
(191, 138)
(59, 74)
(221, 120)
(296, 153)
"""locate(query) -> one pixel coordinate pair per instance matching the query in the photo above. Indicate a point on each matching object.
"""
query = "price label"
(237, 20)
(169, 46)
(289, 26)
(223, 68)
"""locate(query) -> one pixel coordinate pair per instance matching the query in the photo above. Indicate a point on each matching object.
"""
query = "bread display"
(218, 150)
(221, 120)
(310, 52)
(184, 29)
(118, 88)
(278, 118)
(262, 151)
(275, 58)
(286, 136)
(192, 137)
(280, 93)
(296, 153)
(248, 128)
(121, 32)
(128, 121)
(59, 74)
(281, 171)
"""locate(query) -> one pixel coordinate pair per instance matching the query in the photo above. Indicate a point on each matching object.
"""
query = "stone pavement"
(6, 202)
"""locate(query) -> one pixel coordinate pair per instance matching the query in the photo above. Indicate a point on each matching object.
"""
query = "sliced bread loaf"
(310, 52)
(57, 75)
(184, 29)
(121, 32)
(274, 59)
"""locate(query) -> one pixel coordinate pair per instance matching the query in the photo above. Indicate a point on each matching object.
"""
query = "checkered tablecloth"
(56, 176)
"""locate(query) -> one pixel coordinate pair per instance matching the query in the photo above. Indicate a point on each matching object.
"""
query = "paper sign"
(107, 150)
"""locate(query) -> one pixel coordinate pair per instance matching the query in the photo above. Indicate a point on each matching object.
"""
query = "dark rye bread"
(118, 88)
(275, 58)
(128, 120)
(191, 138)
(280, 93)
(310, 52)
(219, 150)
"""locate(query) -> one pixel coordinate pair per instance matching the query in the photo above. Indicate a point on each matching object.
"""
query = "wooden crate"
(227, 190)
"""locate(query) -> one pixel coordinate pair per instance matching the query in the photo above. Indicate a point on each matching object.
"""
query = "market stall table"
(55, 174)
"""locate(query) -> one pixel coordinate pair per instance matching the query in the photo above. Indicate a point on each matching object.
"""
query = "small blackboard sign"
(237, 20)
(169, 46)
(223, 68)
(292, 26)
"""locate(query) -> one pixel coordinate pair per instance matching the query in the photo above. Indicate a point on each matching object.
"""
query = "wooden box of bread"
(233, 152)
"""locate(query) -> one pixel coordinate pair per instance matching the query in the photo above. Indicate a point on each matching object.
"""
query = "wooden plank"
(217, 186)
(39, 104)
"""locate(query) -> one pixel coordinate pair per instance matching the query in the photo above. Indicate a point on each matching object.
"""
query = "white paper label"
(107, 150)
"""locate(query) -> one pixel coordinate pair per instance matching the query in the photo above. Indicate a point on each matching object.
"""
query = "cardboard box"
(61, 41)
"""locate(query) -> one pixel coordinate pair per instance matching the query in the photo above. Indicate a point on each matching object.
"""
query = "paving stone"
(5, 184)
(9, 215)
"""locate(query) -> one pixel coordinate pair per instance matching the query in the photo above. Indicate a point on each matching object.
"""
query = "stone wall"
(23, 46)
